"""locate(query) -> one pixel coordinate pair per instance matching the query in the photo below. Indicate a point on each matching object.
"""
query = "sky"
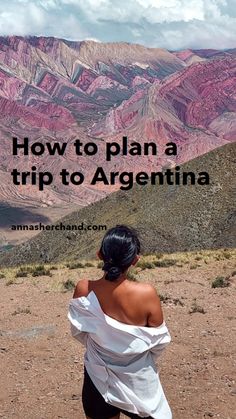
(171, 24)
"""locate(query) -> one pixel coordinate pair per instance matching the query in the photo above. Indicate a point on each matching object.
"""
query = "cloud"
(175, 24)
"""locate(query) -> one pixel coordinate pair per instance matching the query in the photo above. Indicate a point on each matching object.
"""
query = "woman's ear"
(99, 255)
(136, 259)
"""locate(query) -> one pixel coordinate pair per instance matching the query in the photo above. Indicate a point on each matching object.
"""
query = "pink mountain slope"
(58, 90)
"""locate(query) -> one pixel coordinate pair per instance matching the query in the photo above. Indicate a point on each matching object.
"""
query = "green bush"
(21, 311)
(159, 255)
(220, 282)
(40, 270)
(69, 285)
(10, 282)
(165, 263)
(88, 265)
(21, 274)
(75, 265)
(131, 275)
(145, 264)
(227, 255)
(164, 298)
(196, 308)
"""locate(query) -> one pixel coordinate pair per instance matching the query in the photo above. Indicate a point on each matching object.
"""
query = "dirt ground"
(41, 365)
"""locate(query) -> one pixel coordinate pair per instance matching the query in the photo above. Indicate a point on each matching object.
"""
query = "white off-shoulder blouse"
(120, 358)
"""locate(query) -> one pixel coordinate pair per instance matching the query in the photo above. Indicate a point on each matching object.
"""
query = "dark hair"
(119, 247)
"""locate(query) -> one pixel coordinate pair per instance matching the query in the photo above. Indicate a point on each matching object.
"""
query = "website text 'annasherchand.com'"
(59, 227)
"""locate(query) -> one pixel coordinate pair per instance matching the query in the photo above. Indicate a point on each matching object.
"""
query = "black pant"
(94, 404)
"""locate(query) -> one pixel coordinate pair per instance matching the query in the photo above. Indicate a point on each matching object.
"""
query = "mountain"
(58, 90)
(168, 218)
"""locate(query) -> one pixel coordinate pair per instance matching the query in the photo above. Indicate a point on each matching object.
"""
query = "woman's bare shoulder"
(142, 287)
(143, 291)
(82, 288)
(145, 295)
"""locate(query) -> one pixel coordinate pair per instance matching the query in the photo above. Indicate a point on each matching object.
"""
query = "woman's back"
(126, 301)
(120, 358)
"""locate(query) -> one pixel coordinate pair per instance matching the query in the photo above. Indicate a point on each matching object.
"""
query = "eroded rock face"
(58, 90)
(203, 92)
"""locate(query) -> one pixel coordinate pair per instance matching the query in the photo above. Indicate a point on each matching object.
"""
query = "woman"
(121, 324)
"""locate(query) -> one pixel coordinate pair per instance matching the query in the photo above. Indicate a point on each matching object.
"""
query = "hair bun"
(113, 272)
(106, 266)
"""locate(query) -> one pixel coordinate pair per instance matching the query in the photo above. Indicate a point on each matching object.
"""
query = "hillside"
(168, 218)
